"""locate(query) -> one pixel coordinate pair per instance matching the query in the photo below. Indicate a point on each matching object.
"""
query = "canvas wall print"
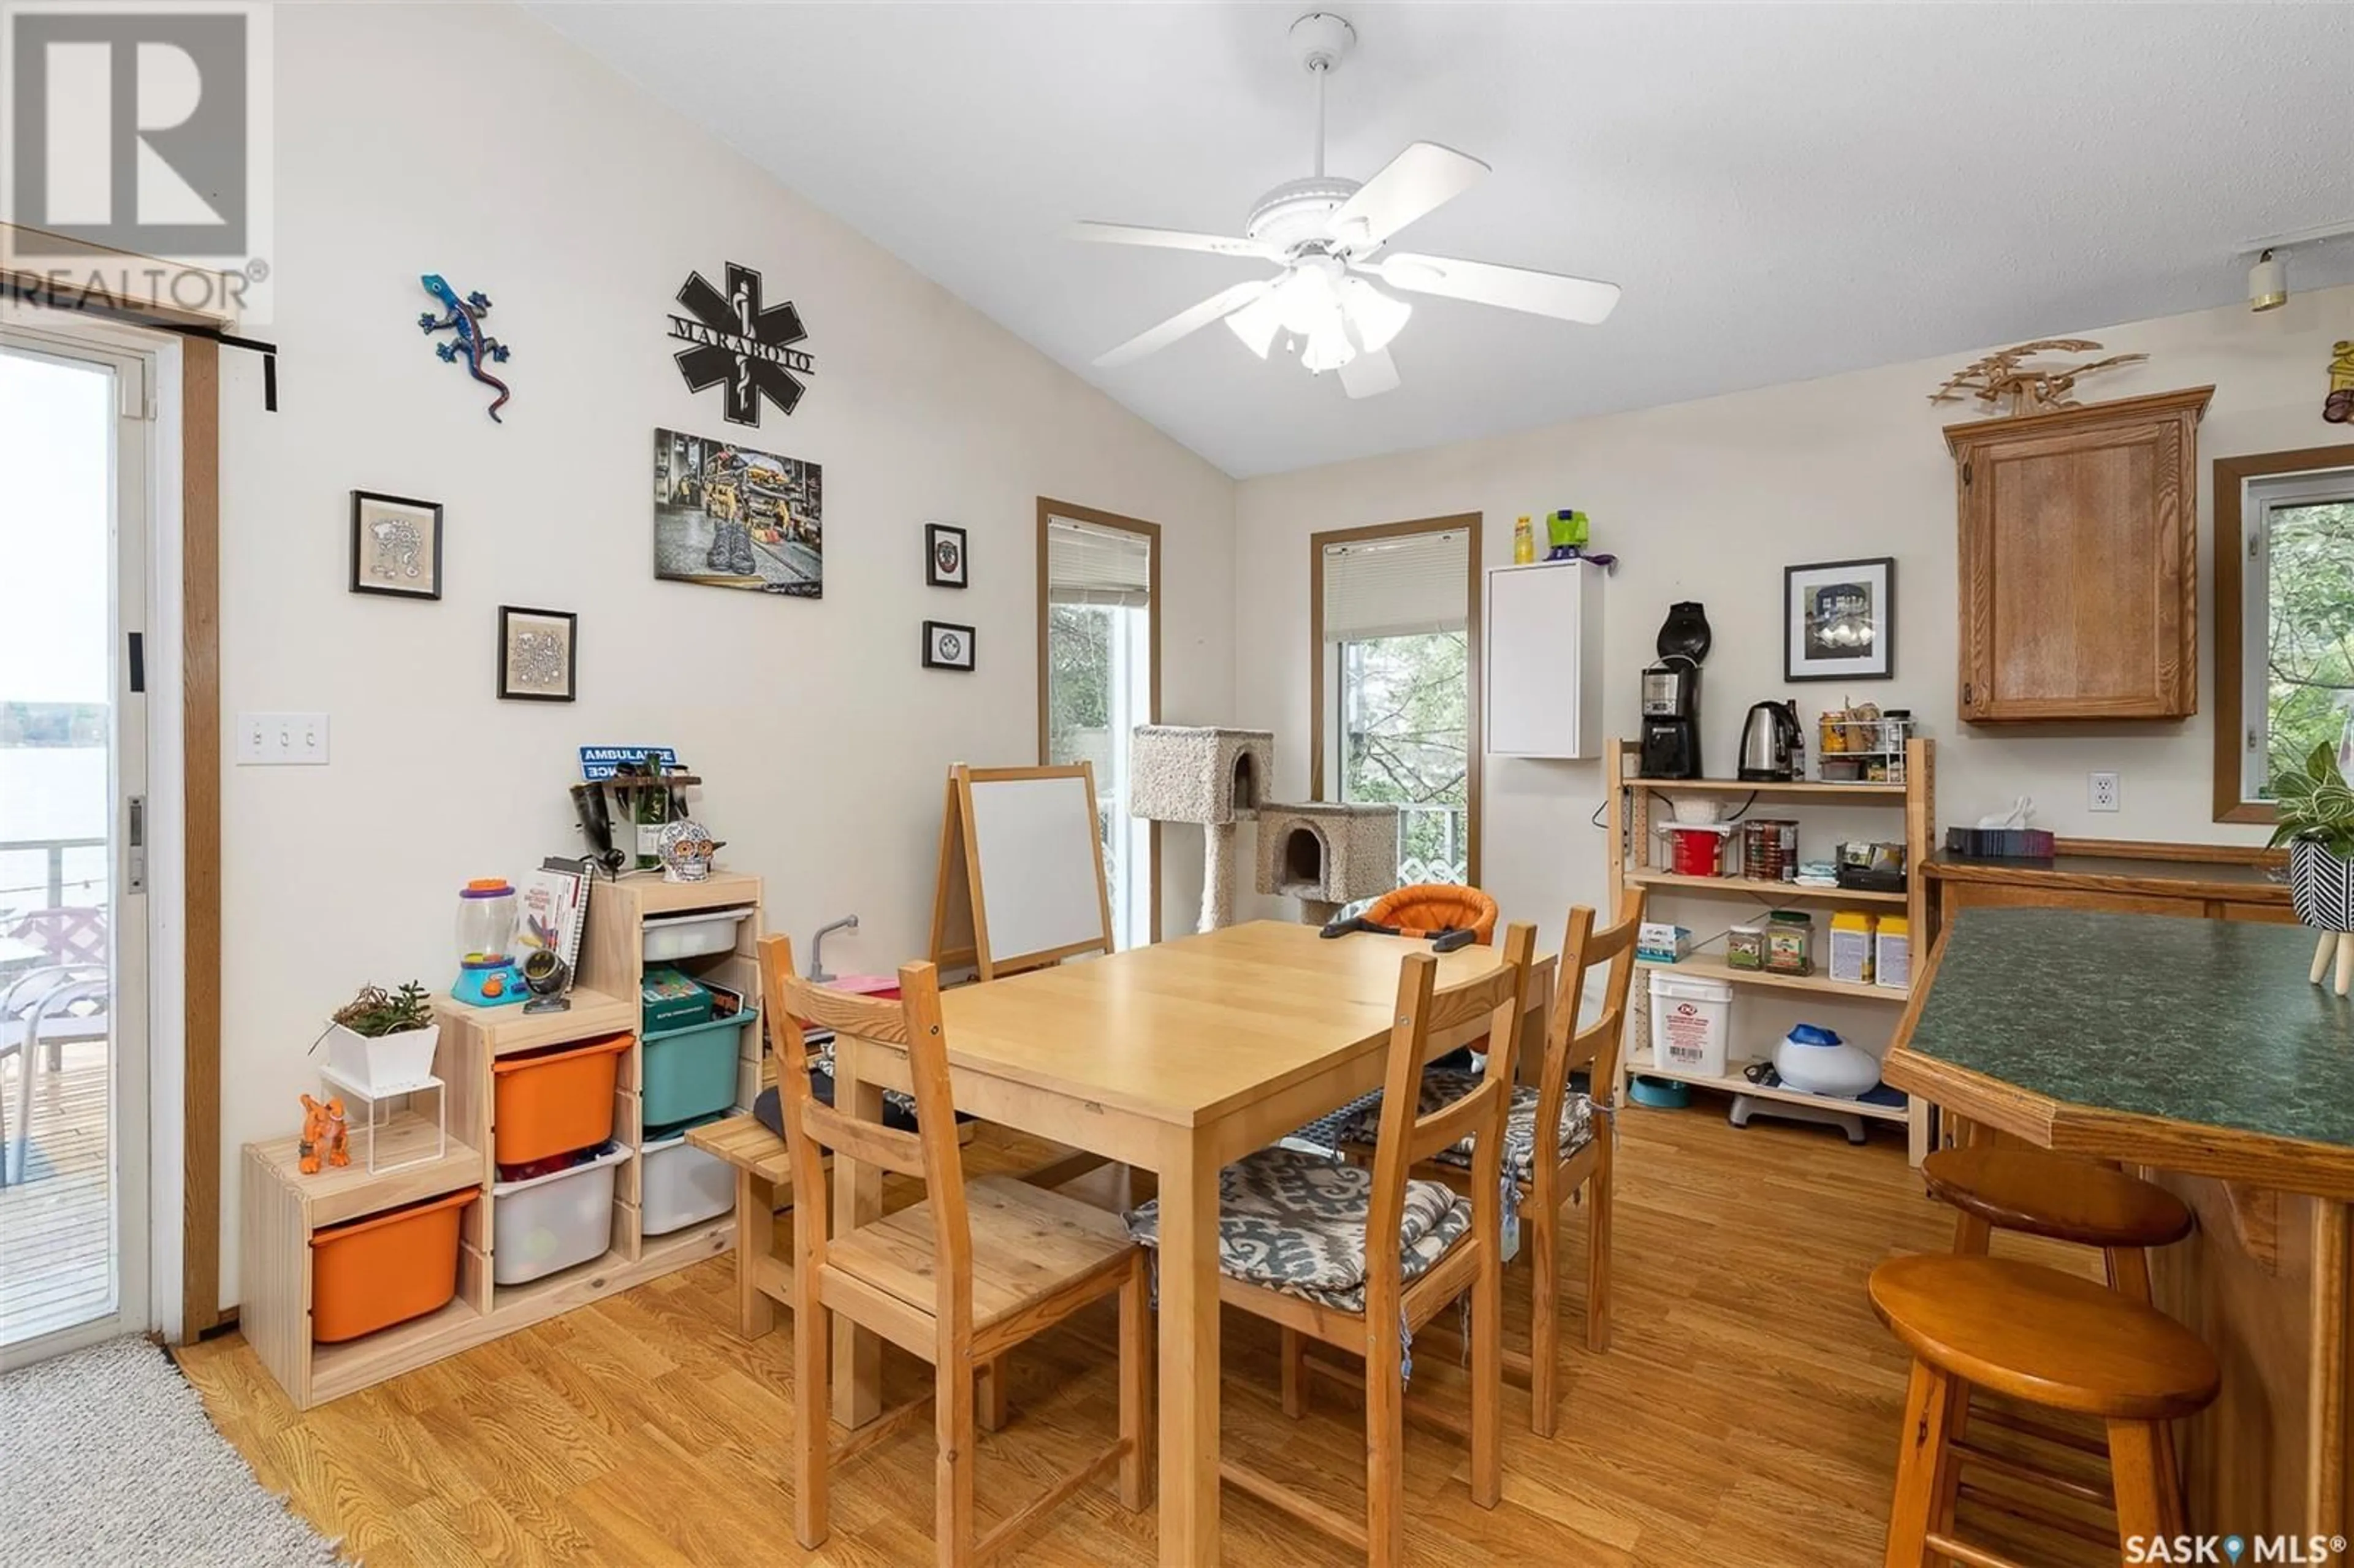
(396, 545)
(539, 654)
(944, 555)
(947, 647)
(728, 516)
(1840, 621)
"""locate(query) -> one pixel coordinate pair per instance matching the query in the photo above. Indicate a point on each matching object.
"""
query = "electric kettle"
(1769, 743)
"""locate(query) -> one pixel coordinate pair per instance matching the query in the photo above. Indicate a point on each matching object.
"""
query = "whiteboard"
(1038, 874)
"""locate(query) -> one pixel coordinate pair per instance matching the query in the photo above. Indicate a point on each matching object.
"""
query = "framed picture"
(947, 647)
(944, 558)
(539, 654)
(396, 545)
(1839, 620)
(728, 516)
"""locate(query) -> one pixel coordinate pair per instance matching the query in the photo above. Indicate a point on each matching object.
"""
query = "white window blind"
(1086, 565)
(1398, 587)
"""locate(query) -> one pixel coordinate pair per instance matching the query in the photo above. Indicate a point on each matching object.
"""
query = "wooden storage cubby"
(612, 955)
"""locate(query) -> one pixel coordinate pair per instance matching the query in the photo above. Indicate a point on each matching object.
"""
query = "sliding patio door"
(74, 514)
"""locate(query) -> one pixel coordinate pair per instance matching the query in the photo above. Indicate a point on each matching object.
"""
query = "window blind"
(1398, 587)
(1086, 565)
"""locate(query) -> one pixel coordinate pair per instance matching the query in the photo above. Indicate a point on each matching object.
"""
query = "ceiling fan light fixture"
(1375, 317)
(1327, 346)
(1257, 323)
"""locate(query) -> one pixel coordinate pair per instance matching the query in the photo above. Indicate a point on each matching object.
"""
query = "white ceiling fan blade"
(1418, 180)
(1370, 374)
(1225, 302)
(1172, 239)
(1487, 283)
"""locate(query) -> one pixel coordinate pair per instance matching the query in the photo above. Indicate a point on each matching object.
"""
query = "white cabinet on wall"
(1542, 641)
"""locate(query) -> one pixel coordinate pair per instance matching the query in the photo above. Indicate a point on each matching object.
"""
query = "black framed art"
(396, 545)
(539, 654)
(944, 555)
(947, 647)
(1839, 620)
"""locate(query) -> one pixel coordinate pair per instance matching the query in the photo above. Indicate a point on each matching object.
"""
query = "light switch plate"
(281, 740)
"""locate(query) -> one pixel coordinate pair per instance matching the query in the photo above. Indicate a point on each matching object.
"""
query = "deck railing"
(21, 895)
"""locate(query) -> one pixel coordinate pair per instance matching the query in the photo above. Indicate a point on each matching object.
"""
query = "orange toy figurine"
(314, 1134)
(339, 1135)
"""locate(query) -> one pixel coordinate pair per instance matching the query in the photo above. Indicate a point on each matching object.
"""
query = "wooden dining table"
(1177, 1058)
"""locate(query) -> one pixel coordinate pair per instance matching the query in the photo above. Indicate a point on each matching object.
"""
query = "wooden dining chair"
(1359, 1258)
(975, 1269)
(1545, 1178)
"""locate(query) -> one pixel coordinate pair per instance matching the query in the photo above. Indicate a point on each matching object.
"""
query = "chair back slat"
(1595, 1046)
(930, 1153)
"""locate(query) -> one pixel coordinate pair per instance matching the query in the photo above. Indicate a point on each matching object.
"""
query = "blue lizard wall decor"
(465, 318)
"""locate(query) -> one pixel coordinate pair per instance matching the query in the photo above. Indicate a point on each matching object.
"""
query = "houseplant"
(2316, 821)
(382, 1042)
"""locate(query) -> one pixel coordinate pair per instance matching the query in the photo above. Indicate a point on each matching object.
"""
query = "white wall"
(1709, 501)
(535, 175)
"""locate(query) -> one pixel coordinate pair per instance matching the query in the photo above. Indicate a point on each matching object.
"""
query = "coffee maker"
(1671, 741)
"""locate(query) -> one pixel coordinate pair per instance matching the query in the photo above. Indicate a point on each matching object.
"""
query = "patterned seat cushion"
(1295, 1223)
(1444, 1086)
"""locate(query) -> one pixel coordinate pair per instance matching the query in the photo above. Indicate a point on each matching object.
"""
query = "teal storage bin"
(690, 1072)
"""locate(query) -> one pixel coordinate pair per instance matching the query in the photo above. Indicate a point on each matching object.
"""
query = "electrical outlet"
(2103, 792)
(281, 740)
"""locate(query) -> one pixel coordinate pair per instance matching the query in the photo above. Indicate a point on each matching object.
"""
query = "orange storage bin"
(554, 1102)
(384, 1269)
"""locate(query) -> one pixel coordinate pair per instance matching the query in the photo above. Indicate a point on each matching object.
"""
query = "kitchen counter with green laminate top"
(2207, 1022)
(2196, 1051)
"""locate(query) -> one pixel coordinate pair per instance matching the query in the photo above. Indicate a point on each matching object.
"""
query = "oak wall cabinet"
(2080, 561)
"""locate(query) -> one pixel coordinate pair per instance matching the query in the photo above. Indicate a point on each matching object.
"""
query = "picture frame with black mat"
(396, 545)
(539, 654)
(1839, 620)
(948, 647)
(945, 559)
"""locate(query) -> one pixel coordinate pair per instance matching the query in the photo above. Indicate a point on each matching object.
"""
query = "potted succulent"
(2317, 823)
(382, 1042)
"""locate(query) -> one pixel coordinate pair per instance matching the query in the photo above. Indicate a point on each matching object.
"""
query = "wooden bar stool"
(2068, 1199)
(2052, 1340)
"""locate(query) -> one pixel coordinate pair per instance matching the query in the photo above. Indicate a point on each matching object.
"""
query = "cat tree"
(1213, 777)
(1326, 855)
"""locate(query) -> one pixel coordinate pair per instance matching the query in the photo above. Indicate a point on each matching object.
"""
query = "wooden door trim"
(2231, 630)
(1475, 743)
(201, 907)
(1049, 509)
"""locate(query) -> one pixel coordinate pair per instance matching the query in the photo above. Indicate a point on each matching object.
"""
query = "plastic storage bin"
(692, 935)
(551, 1102)
(384, 1269)
(554, 1221)
(1691, 1020)
(680, 1186)
(690, 1073)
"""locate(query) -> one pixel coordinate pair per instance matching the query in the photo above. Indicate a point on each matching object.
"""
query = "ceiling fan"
(1327, 233)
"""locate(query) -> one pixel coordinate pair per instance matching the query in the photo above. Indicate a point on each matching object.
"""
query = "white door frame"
(150, 1042)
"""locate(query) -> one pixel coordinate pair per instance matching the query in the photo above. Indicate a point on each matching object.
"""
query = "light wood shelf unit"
(282, 1207)
(1631, 821)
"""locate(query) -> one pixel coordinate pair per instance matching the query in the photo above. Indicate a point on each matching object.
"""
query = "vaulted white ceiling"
(1785, 190)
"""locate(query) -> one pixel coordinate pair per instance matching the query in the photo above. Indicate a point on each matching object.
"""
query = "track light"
(2267, 283)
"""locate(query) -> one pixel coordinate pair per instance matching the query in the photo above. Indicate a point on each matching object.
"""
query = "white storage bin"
(692, 935)
(1691, 1020)
(554, 1221)
(682, 1185)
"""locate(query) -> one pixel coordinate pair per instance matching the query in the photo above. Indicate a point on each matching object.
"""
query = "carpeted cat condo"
(1214, 777)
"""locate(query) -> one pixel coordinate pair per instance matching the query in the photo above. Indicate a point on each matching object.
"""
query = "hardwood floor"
(1747, 1413)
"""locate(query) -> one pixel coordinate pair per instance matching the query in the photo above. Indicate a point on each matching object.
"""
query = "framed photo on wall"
(1839, 620)
(947, 647)
(944, 555)
(396, 545)
(539, 654)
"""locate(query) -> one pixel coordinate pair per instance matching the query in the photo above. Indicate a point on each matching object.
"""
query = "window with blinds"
(1107, 567)
(1400, 586)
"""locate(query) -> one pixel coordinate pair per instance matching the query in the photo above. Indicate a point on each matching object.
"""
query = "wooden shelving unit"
(282, 1207)
(1631, 819)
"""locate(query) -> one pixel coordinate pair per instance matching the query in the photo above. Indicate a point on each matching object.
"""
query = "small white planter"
(386, 1064)
(2320, 886)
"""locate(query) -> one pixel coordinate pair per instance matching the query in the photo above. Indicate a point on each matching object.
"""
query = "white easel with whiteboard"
(1022, 874)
